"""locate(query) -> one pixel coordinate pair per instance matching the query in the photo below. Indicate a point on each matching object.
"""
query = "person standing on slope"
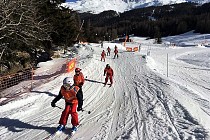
(68, 91)
(108, 71)
(108, 51)
(103, 55)
(79, 81)
(115, 52)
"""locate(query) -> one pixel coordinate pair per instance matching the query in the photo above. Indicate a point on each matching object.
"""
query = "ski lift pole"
(80, 29)
(32, 78)
(167, 64)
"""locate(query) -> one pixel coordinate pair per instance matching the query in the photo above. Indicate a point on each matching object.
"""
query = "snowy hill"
(98, 6)
(143, 103)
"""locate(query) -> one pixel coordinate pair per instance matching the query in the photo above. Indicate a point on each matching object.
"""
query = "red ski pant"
(108, 53)
(110, 78)
(103, 58)
(70, 109)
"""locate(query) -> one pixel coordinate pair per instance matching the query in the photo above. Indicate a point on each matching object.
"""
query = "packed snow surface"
(160, 92)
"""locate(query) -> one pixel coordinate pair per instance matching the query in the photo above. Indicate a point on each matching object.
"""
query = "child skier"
(108, 71)
(68, 91)
(115, 52)
(103, 55)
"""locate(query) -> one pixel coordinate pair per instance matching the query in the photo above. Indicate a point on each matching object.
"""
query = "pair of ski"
(70, 135)
(57, 133)
(107, 84)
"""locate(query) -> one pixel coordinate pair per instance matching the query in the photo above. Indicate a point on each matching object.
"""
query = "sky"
(152, 97)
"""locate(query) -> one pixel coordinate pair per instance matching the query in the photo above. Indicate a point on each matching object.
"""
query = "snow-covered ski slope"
(142, 104)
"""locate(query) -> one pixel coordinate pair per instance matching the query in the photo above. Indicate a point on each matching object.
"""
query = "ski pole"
(81, 110)
(86, 111)
(59, 107)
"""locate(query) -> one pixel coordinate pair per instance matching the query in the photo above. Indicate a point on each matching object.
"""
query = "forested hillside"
(154, 22)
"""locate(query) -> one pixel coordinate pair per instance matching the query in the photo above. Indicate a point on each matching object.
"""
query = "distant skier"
(115, 47)
(108, 51)
(115, 52)
(68, 91)
(101, 44)
(79, 81)
(103, 55)
(139, 47)
(108, 72)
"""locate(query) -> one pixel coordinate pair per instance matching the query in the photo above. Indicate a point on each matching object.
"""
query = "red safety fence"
(14, 85)
(14, 79)
(10, 80)
(135, 49)
(129, 49)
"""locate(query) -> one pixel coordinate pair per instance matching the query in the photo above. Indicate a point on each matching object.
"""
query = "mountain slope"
(120, 6)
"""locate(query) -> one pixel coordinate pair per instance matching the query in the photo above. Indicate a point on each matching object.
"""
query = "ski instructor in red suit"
(108, 72)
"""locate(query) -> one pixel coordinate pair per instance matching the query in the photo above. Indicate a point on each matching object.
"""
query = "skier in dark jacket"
(108, 51)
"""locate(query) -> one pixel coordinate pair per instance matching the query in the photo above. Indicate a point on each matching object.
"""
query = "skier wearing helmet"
(68, 91)
(108, 71)
(79, 81)
(115, 52)
(103, 55)
(108, 51)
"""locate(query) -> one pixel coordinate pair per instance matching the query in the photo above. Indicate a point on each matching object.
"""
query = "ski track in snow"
(140, 105)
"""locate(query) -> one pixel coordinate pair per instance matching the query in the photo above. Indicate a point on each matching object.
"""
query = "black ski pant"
(80, 98)
(115, 55)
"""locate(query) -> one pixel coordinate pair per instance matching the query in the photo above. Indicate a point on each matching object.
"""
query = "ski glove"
(53, 104)
(79, 109)
(81, 84)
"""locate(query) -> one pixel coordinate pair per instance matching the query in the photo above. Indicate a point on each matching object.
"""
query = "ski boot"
(74, 129)
(60, 127)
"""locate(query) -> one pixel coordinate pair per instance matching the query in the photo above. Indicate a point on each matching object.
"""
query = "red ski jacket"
(69, 95)
(108, 72)
(79, 79)
(103, 54)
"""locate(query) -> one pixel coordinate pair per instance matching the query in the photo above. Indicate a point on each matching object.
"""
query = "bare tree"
(22, 28)
(20, 21)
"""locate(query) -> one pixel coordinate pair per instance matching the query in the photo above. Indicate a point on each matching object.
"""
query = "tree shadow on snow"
(46, 92)
(16, 125)
(40, 77)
